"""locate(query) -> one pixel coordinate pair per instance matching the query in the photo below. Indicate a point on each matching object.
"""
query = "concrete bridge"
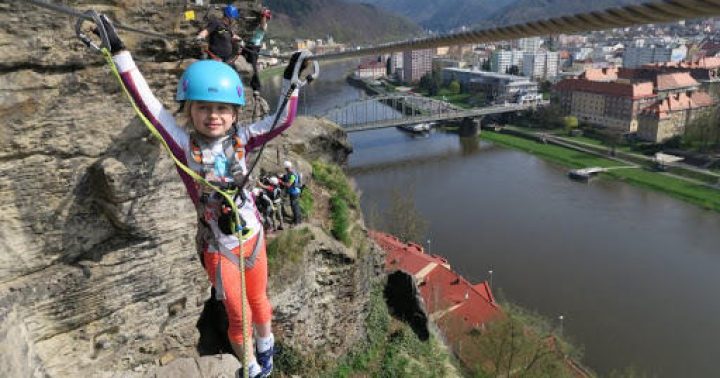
(396, 110)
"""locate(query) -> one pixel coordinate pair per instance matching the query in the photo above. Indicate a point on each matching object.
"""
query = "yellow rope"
(227, 195)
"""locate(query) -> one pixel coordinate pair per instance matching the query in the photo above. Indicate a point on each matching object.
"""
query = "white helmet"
(274, 180)
(287, 164)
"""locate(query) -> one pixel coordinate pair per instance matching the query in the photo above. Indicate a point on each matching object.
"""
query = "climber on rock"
(252, 48)
(212, 143)
(291, 180)
(220, 35)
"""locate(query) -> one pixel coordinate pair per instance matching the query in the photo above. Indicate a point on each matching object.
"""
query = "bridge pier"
(470, 127)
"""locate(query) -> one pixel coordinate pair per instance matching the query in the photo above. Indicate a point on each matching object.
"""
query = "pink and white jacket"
(252, 136)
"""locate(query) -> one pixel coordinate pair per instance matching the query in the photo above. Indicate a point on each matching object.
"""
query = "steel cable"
(647, 13)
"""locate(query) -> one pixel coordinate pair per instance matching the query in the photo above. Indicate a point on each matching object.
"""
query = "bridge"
(384, 111)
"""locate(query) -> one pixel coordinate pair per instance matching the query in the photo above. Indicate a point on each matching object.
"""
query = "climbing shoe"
(265, 359)
(254, 371)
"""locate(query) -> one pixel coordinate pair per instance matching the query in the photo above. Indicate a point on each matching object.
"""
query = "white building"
(396, 64)
(581, 53)
(529, 44)
(502, 60)
(497, 87)
(371, 70)
(540, 65)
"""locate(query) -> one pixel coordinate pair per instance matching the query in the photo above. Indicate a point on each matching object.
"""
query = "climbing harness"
(232, 147)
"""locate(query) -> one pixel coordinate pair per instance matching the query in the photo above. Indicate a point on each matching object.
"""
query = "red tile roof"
(636, 90)
(679, 102)
(703, 63)
(675, 80)
(600, 74)
(445, 292)
(456, 306)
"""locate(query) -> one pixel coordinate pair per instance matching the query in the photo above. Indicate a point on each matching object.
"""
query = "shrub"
(287, 249)
(307, 201)
(340, 219)
(334, 178)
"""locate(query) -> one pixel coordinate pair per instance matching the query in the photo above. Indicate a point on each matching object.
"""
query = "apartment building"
(635, 57)
(540, 65)
(609, 104)
(502, 60)
(416, 63)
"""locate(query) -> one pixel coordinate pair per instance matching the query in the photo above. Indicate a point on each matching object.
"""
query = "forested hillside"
(441, 15)
(346, 23)
(526, 10)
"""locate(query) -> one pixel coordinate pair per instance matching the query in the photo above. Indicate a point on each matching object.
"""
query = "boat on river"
(417, 128)
(585, 174)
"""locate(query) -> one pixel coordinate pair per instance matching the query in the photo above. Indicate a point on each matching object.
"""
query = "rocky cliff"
(98, 270)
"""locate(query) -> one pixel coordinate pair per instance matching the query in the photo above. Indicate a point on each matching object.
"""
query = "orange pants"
(258, 308)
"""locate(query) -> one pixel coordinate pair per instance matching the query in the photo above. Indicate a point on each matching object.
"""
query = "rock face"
(98, 269)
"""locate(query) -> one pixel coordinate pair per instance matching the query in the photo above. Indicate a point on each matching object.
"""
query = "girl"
(214, 146)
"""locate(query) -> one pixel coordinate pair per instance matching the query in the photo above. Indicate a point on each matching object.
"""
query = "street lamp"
(561, 318)
(490, 273)
(428, 242)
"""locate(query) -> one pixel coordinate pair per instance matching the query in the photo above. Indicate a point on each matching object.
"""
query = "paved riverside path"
(624, 157)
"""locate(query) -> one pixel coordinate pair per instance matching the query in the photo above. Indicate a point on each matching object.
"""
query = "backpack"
(295, 189)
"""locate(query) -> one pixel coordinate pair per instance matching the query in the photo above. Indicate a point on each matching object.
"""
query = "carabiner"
(99, 29)
(296, 79)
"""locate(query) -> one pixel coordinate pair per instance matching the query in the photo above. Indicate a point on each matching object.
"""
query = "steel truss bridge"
(383, 111)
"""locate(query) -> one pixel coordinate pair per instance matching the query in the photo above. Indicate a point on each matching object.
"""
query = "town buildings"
(654, 104)
(597, 98)
(536, 64)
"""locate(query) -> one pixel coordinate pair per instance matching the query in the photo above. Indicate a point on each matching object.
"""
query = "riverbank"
(698, 194)
(271, 72)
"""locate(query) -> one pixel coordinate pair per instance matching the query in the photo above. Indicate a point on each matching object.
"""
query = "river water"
(633, 272)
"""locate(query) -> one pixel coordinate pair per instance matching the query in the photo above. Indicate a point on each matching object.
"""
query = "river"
(633, 272)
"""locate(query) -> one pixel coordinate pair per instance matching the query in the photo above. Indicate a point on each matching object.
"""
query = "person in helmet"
(252, 47)
(220, 35)
(274, 191)
(291, 182)
(212, 143)
(265, 207)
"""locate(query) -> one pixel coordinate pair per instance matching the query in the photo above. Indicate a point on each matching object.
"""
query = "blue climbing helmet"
(231, 12)
(211, 81)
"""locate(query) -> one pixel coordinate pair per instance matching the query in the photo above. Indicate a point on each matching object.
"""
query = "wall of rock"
(98, 270)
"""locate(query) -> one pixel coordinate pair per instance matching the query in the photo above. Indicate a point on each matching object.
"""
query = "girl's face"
(212, 119)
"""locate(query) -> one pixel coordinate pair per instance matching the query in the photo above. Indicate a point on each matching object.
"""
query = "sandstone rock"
(98, 270)
(220, 366)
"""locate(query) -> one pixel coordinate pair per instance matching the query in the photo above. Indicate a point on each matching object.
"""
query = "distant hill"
(347, 23)
(441, 15)
(527, 10)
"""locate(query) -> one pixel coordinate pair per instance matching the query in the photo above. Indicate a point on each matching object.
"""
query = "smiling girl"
(214, 145)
